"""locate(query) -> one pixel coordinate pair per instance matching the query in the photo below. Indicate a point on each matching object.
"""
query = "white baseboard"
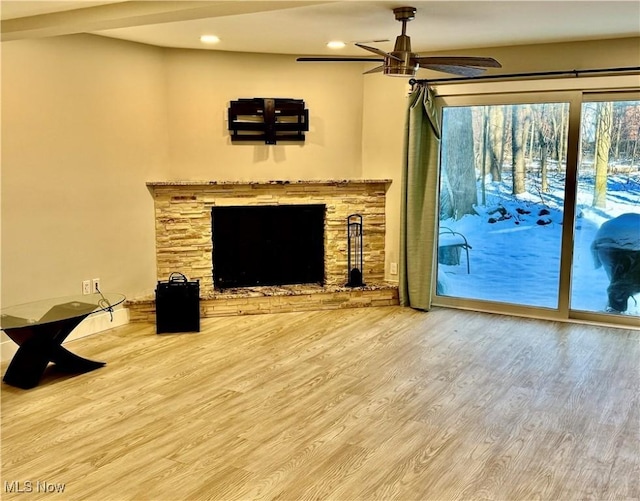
(93, 324)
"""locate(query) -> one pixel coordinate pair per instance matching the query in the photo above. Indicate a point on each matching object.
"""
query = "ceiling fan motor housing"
(404, 67)
(402, 49)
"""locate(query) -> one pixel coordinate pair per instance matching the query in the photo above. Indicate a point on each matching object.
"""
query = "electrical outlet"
(393, 268)
(86, 286)
(95, 285)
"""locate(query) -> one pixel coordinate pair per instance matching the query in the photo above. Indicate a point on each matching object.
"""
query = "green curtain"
(419, 200)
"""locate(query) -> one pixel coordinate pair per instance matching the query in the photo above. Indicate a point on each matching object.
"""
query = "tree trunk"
(603, 146)
(530, 127)
(634, 153)
(544, 152)
(496, 142)
(562, 136)
(517, 148)
(447, 208)
(458, 163)
(485, 153)
(616, 142)
(545, 139)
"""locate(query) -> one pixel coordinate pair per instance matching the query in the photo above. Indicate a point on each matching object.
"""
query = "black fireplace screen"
(268, 245)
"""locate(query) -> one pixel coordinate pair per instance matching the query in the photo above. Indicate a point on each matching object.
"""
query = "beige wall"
(385, 101)
(584, 55)
(200, 85)
(86, 121)
(83, 127)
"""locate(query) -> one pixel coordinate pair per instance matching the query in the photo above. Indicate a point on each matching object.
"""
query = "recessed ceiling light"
(209, 39)
(336, 44)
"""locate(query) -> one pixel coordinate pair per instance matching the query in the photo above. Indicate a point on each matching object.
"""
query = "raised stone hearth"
(184, 243)
(281, 299)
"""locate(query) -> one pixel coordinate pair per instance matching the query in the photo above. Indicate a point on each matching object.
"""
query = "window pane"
(502, 176)
(606, 254)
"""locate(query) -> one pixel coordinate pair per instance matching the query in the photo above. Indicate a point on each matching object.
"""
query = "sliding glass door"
(524, 198)
(606, 250)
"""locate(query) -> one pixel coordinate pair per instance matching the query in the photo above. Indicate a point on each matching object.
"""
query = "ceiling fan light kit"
(403, 62)
(209, 39)
(336, 44)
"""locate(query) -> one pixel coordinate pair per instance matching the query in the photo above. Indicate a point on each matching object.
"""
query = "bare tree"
(517, 148)
(529, 134)
(561, 134)
(485, 152)
(635, 150)
(616, 133)
(632, 133)
(545, 120)
(602, 147)
(458, 164)
(496, 141)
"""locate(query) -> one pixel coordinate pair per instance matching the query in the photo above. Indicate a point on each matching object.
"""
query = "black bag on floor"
(178, 305)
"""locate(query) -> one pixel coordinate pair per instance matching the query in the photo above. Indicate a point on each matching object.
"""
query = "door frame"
(511, 93)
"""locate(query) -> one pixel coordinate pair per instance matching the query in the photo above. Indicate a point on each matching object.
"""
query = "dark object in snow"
(542, 222)
(501, 218)
(544, 212)
(499, 209)
(522, 211)
(504, 214)
(616, 248)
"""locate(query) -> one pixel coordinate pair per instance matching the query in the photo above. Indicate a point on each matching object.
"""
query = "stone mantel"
(183, 223)
(330, 182)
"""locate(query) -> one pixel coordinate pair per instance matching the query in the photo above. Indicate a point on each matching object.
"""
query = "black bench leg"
(72, 363)
(26, 367)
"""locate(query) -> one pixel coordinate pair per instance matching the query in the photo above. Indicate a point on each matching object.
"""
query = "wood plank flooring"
(356, 404)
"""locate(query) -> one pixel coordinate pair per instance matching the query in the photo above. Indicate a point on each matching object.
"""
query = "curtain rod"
(539, 74)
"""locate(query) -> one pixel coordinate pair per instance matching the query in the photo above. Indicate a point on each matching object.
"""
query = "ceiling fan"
(402, 62)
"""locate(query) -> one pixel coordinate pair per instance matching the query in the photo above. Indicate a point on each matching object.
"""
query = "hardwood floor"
(355, 404)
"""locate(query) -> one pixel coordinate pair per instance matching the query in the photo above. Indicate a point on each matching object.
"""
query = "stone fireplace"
(184, 242)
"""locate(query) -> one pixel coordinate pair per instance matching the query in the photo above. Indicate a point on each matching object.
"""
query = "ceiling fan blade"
(465, 71)
(341, 59)
(378, 51)
(403, 62)
(483, 62)
(377, 69)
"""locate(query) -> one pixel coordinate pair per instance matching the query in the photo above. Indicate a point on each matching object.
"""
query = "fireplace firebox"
(268, 245)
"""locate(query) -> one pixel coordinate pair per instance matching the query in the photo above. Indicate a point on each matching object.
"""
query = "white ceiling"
(303, 27)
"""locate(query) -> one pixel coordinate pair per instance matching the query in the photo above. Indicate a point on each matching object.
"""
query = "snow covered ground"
(515, 255)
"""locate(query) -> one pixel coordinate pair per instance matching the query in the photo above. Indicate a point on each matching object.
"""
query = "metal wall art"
(268, 120)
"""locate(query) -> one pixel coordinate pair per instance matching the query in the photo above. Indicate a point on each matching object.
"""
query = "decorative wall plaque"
(268, 120)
